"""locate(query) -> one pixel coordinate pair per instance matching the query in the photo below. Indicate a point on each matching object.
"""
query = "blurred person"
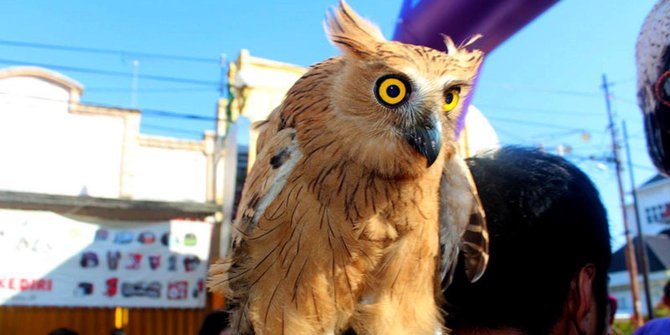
(612, 306)
(660, 326)
(215, 323)
(653, 81)
(549, 246)
(63, 331)
(665, 300)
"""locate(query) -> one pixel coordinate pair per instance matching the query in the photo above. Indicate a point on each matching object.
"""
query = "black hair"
(666, 290)
(546, 221)
(63, 331)
(214, 323)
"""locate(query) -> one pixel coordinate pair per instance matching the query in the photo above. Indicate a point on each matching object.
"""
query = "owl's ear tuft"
(453, 49)
(349, 32)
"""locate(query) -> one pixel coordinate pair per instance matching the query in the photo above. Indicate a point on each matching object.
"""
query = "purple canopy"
(422, 22)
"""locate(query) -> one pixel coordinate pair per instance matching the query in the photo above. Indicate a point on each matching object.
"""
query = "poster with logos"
(53, 260)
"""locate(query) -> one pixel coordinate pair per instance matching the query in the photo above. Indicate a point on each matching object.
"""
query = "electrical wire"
(143, 111)
(169, 114)
(151, 90)
(122, 53)
(487, 107)
(112, 73)
(540, 89)
(171, 129)
(539, 124)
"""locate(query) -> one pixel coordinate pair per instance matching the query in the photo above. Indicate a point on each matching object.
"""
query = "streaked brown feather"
(462, 223)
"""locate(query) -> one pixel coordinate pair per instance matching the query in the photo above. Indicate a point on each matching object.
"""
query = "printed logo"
(89, 259)
(83, 289)
(134, 261)
(112, 285)
(101, 235)
(199, 288)
(141, 289)
(146, 237)
(191, 263)
(177, 290)
(113, 259)
(172, 263)
(190, 240)
(165, 239)
(154, 261)
(123, 237)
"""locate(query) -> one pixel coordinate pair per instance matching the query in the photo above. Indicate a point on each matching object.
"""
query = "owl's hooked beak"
(426, 138)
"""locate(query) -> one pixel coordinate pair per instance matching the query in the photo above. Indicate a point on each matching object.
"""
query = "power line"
(170, 129)
(112, 73)
(169, 114)
(151, 90)
(143, 111)
(152, 112)
(617, 98)
(122, 53)
(541, 89)
(539, 124)
(537, 110)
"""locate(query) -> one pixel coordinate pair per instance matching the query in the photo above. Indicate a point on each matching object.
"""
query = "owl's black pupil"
(449, 98)
(393, 91)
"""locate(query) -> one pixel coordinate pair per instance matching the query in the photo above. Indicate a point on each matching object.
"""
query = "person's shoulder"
(659, 326)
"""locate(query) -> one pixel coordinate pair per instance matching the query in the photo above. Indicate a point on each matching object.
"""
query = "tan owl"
(357, 202)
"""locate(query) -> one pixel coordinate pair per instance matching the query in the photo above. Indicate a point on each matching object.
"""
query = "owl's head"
(402, 102)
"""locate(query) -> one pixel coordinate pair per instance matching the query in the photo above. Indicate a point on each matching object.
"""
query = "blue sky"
(541, 87)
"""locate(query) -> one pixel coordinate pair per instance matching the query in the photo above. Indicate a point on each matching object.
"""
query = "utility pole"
(641, 245)
(631, 262)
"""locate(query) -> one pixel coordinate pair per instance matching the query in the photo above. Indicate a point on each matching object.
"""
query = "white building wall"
(170, 174)
(653, 201)
(49, 143)
(46, 149)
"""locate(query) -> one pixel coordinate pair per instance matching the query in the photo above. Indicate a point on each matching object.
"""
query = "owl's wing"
(267, 129)
(462, 223)
(278, 154)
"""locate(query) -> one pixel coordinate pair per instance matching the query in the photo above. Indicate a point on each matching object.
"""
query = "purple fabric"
(423, 22)
(655, 327)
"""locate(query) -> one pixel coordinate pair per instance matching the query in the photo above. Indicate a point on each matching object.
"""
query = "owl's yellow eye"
(451, 99)
(391, 91)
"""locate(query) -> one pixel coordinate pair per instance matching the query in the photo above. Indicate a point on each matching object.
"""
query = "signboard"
(52, 260)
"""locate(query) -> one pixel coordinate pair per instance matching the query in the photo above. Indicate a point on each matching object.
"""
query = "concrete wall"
(51, 143)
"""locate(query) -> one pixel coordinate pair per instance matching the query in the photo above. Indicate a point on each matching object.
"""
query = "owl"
(358, 203)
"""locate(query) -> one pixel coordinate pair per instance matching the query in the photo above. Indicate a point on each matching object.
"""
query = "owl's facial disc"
(422, 133)
(426, 138)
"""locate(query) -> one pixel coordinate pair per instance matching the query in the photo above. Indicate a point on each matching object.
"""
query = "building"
(654, 204)
(78, 181)
(654, 214)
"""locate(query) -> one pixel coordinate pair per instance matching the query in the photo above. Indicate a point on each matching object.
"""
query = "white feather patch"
(280, 179)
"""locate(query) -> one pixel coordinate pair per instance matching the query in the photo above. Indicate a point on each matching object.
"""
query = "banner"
(52, 260)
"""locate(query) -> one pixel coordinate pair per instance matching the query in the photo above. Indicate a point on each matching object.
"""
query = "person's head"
(666, 295)
(215, 323)
(549, 249)
(63, 331)
(653, 82)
